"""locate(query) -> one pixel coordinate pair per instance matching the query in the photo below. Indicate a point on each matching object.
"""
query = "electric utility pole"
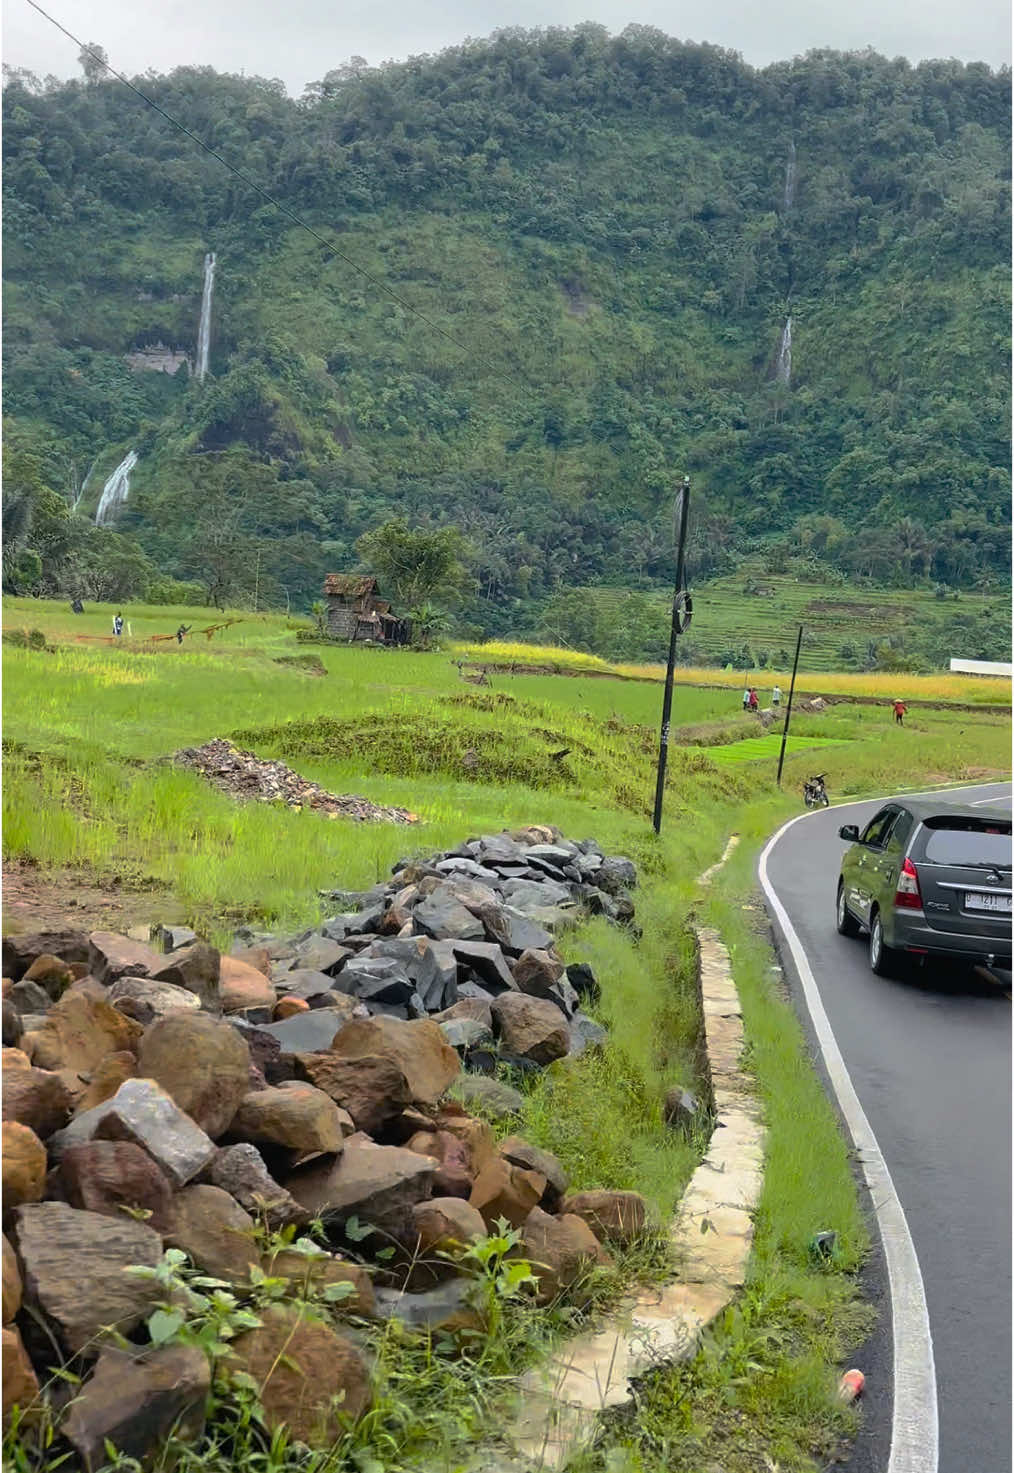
(682, 612)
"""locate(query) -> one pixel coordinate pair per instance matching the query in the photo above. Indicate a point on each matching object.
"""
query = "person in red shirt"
(752, 703)
(899, 712)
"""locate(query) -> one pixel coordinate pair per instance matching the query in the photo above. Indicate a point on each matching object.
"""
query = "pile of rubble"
(171, 1098)
(242, 775)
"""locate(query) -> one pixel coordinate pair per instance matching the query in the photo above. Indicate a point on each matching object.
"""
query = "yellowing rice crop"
(961, 689)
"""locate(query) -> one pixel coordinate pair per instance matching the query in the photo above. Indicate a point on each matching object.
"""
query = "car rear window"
(968, 841)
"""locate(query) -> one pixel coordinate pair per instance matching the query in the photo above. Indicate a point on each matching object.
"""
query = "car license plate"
(974, 900)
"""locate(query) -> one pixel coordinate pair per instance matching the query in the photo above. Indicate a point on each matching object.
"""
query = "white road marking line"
(1004, 798)
(914, 1421)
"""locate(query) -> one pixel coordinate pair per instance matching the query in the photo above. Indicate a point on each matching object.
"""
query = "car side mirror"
(849, 832)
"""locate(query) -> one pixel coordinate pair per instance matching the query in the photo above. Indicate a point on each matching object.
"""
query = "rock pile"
(242, 775)
(157, 1099)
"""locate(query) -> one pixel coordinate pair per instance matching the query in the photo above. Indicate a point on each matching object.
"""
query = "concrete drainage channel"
(711, 1234)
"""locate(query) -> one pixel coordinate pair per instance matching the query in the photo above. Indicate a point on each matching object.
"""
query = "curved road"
(929, 1057)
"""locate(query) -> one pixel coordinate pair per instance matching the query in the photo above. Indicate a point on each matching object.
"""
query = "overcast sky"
(300, 40)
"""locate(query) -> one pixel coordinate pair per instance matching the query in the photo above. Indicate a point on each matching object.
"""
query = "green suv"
(929, 879)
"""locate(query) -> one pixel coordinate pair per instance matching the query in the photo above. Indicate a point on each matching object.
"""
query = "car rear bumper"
(911, 933)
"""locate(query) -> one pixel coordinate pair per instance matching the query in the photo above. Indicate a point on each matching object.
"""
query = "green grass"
(88, 792)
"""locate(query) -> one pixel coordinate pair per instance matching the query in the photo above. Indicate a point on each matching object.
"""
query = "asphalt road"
(929, 1056)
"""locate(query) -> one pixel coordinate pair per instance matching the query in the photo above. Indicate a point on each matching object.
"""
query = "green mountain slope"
(612, 232)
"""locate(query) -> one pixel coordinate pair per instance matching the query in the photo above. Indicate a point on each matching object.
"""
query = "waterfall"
(783, 366)
(116, 490)
(84, 485)
(204, 331)
(790, 177)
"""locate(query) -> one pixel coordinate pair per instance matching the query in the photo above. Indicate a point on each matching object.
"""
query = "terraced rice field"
(727, 618)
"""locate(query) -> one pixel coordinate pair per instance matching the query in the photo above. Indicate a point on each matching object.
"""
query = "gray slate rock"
(29, 997)
(323, 954)
(305, 1033)
(466, 1033)
(529, 895)
(487, 961)
(142, 1112)
(13, 1027)
(443, 917)
(428, 1310)
(196, 968)
(489, 1095)
(304, 982)
(376, 979)
(240, 1171)
(171, 938)
(585, 1033)
(514, 931)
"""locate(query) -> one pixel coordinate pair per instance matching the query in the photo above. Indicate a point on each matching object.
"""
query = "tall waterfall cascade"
(204, 331)
(115, 491)
(790, 177)
(783, 364)
(84, 485)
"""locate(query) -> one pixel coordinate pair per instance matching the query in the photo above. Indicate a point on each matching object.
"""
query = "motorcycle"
(815, 793)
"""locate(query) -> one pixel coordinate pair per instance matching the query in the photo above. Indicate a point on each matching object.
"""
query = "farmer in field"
(118, 626)
(746, 698)
(752, 701)
(899, 713)
(183, 629)
(776, 696)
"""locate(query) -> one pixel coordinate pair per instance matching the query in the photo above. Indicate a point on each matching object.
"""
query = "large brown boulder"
(20, 1386)
(111, 957)
(37, 1098)
(19, 952)
(201, 1061)
(378, 1185)
(86, 1028)
(445, 1224)
(214, 1231)
(136, 1401)
(312, 1273)
(419, 1049)
(23, 1165)
(619, 1217)
(474, 1134)
(52, 973)
(373, 1088)
(536, 971)
(106, 1080)
(561, 1251)
(454, 1174)
(72, 1266)
(294, 1114)
(532, 1027)
(312, 1382)
(532, 1158)
(11, 1283)
(107, 1176)
(242, 985)
(142, 1112)
(503, 1190)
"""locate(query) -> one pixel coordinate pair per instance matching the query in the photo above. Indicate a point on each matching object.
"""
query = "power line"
(332, 251)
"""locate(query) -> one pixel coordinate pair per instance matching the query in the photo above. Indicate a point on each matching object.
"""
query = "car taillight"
(907, 896)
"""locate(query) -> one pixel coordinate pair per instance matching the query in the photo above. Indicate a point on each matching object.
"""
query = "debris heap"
(158, 1093)
(242, 775)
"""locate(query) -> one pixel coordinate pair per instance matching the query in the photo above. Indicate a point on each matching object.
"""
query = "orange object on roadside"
(851, 1385)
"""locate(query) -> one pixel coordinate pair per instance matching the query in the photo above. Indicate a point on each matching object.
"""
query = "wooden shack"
(355, 611)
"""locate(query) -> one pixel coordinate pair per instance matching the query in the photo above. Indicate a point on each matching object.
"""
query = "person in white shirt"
(776, 696)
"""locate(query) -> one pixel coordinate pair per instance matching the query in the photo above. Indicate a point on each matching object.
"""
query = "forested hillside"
(605, 238)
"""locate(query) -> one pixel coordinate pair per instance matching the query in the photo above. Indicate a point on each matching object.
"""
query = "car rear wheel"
(882, 957)
(846, 921)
